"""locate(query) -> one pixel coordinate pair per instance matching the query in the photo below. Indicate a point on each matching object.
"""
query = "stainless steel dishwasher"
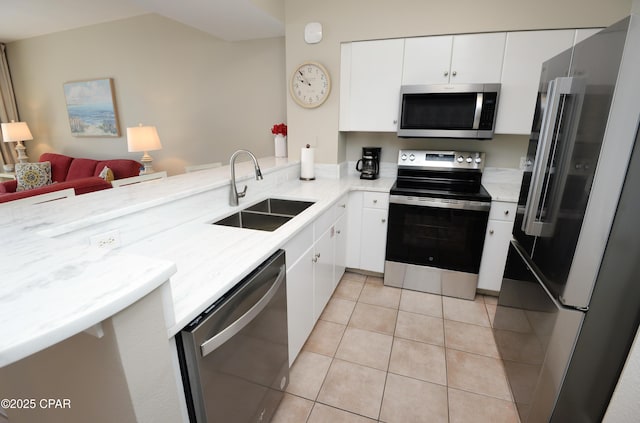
(234, 356)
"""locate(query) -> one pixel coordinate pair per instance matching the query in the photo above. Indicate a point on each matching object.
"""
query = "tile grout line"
(446, 362)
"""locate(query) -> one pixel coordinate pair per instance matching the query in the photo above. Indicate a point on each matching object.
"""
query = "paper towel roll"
(306, 164)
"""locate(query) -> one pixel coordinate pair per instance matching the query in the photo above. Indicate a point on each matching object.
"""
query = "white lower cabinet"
(367, 238)
(496, 245)
(323, 260)
(300, 318)
(354, 222)
(373, 235)
(373, 240)
(341, 249)
(316, 259)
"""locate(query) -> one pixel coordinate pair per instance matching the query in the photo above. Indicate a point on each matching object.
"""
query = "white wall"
(353, 20)
(207, 97)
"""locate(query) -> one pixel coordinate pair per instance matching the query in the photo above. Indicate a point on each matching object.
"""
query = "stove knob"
(460, 159)
(478, 159)
(412, 157)
(403, 157)
(469, 159)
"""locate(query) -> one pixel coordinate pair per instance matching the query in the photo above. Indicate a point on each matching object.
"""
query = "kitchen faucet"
(235, 195)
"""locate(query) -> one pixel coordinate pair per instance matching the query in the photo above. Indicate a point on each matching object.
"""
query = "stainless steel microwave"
(448, 111)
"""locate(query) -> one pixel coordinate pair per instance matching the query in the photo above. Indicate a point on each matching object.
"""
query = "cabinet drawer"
(501, 210)
(376, 200)
(340, 206)
(298, 245)
(322, 223)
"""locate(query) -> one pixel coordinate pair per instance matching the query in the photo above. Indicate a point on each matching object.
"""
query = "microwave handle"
(478, 113)
(531, 225)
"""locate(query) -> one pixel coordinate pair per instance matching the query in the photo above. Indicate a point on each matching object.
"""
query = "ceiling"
(231, 20)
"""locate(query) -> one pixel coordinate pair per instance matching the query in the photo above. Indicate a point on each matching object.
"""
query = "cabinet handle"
(454, 73)
(506, 212)
(384, 220)
(316, 257)
(490, 231)
(375, 201)
(395, 121)
(344, 206)
(446, 73)
(338, 231)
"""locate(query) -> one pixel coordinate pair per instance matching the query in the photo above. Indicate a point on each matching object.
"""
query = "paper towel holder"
(311, 178)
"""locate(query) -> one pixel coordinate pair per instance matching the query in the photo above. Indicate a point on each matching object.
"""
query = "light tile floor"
(383, 354)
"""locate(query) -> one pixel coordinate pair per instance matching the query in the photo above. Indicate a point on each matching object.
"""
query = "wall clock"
(310, 84)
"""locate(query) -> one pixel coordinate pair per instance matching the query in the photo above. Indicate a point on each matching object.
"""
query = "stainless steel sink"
(279, 206)
(267, 215)
(251, 220)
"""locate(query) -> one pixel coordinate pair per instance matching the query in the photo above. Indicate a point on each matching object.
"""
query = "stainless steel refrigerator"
(569, 306)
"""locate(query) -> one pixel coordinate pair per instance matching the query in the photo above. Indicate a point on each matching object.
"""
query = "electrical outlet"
(108, 240)
(523, 163)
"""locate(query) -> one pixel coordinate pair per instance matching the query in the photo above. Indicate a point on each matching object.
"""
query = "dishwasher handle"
(223, 336)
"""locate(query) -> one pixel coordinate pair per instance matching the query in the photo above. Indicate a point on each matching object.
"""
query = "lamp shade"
(143, 138)
(16, 131)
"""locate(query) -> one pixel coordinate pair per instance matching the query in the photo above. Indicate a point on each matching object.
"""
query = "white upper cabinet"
(454, 59)
(477, 58)
(584, 33)
(523, 57)
(371, 73)
(373, 84)
(427, 60)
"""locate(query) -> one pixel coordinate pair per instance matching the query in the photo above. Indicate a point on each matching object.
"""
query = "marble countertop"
(55, 284)
(503, 184)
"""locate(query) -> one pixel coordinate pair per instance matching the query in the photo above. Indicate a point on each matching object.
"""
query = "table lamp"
(143, 138)
(17, 132)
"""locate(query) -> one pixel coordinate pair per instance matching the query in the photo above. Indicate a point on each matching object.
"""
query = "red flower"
(279, 129)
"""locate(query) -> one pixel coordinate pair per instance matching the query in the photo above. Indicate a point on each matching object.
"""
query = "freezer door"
(535, 337)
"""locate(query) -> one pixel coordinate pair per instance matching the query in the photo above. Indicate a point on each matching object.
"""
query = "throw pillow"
(107, 174)
(32, 175)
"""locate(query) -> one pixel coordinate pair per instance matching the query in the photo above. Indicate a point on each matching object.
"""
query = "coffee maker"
(369, 164)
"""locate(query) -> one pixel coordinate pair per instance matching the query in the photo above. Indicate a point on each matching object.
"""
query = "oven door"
(442, 233)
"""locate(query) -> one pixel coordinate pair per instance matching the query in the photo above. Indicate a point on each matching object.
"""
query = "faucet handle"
(243, 193)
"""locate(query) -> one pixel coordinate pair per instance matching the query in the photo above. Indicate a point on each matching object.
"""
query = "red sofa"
(69, 172)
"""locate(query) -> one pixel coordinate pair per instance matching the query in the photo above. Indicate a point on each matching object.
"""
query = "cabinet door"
(300, 318)
(523, 57)
(376, 76)
(427, 60)
(354, 223)
(341, 249)
(323, 271)
(477, 58)
(373, 239)
(494, 254)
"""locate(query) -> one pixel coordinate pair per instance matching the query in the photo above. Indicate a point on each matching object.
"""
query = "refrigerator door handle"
(531, 223)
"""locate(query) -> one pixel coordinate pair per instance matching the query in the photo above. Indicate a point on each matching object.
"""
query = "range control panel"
(441, 159)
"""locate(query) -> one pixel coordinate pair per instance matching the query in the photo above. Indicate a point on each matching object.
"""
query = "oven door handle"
(210, 345)
(439, 203)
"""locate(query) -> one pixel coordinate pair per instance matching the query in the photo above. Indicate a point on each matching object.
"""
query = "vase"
(281, 145)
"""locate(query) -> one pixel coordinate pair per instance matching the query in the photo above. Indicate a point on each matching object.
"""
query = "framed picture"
(92, 108)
